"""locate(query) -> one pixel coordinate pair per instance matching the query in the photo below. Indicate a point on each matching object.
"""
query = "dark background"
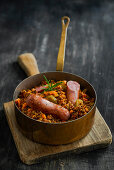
(35, 26)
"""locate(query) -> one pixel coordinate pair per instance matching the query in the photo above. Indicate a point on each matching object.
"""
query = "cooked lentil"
(58, 95)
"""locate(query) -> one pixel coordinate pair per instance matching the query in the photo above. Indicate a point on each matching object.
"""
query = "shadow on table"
(8, 152)
(18, 70)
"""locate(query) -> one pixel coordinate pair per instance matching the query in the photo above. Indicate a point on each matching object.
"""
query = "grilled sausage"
(73, 89)
(40, 104)
(40, 88)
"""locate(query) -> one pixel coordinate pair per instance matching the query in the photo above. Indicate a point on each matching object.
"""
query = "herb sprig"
(50, 85)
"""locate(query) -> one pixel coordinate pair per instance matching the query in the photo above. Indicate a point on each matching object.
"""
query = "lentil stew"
(55, 92)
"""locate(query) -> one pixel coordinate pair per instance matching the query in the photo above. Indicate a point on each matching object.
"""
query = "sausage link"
(73, 89)
(40, 88)
(40, 104)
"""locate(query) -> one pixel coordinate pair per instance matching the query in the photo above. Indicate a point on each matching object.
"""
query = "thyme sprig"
(50, 85)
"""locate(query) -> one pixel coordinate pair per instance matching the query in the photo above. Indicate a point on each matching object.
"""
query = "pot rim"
(60, 123)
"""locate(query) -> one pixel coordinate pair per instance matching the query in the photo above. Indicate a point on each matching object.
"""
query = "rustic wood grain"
(34, 27)
(29, 64)
(31, 152)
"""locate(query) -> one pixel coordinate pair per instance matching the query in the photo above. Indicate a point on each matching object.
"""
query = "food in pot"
(38, 103)
(55, 101)
(73, 89)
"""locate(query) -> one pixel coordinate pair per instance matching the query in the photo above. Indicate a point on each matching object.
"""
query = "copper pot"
(52, 133)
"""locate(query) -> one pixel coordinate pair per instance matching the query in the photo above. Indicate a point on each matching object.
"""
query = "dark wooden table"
(35, 26)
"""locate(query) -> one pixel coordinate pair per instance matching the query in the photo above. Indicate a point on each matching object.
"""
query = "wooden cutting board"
(31, 152)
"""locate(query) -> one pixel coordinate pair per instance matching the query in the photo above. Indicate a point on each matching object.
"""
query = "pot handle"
(61, 53)
(28, 63)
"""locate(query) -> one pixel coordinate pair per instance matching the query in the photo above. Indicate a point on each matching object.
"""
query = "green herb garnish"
(50, 85)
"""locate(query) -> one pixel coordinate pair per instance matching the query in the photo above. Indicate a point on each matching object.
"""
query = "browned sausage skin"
(40, 104)
(41, 88)
(73, 89)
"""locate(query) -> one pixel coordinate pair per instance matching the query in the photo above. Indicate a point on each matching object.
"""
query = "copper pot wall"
(52, 133)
